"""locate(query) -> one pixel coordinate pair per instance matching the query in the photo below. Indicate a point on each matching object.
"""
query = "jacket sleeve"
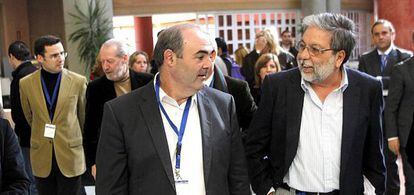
(395, 93)
(111, 156)
(373, 160)
(14, 177)
(25, 102)
(238, 176)
(258, 143)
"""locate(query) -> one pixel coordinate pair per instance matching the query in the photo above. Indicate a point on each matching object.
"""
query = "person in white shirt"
(318, 127)
(174, 135)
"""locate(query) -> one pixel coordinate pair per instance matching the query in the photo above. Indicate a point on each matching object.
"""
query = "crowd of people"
(282, 119)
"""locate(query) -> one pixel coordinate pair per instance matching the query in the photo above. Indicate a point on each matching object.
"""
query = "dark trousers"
(393, 179)
(28, 168)
(57, 184)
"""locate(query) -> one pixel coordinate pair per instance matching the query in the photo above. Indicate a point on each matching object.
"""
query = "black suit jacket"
(13, 178)
(400, 102)
(245, 105)
(98, 92)
(275, 129)
(21, 127)
(370, 63)
(133, 155)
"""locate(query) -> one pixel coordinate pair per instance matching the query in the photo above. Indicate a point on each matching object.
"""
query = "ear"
(169, 57)
(339, 58)
(40, 58)
(125, 58)
(213, 56)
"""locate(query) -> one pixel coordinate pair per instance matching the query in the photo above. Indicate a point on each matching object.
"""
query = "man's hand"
(394, 146)
(93, 171)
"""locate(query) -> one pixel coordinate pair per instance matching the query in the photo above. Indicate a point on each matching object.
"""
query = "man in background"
(380, 63)
(53, 102)
(118, 80)
(19, 59)
(287, 42)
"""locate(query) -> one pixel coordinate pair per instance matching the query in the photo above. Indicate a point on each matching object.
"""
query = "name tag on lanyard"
(50, 131)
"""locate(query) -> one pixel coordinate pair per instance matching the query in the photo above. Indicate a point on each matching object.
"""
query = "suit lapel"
(64, 91)
(391, 61)
(206, 128)
(295, 95)
(351, 100)
(156, 127)
(133, 79)
(38, 93)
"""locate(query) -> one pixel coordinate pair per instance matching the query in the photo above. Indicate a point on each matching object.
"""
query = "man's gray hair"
(171, 38)
(341, 28)
(120, 46)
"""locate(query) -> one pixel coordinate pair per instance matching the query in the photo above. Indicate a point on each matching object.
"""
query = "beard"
(320, 72)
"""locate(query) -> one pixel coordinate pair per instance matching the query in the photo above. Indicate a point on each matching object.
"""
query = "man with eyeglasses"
(53, 102)
(328, 136)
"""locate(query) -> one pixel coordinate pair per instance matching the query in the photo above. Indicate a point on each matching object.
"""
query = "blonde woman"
(138, 61)
(239, 54)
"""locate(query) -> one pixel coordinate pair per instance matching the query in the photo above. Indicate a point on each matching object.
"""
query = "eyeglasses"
(57, 55)
(312, 49)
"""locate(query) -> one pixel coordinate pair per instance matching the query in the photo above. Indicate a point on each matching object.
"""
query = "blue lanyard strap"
(51, 101)
(179, 133)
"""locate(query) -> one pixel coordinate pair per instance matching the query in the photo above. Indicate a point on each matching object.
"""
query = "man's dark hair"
(285, 31)
(42, 42)
(171, 38)
(19, 50)
(221, 43)
(384, 22)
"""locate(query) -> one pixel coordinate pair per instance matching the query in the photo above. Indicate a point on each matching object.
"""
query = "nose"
(303, 55)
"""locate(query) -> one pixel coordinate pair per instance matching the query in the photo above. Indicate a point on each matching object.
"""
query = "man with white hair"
(118, 80)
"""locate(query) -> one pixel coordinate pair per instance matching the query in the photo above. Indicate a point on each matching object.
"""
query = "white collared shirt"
(388, 51)
(316, 166)
(192, 150)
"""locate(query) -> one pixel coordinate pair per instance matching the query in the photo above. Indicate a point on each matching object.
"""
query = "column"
(401, 15)
(143, 34)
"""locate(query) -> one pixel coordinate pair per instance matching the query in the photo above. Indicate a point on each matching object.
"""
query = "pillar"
(143, 34)
(400, 14)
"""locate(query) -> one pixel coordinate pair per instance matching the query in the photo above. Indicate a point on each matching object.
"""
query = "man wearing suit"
(287, 42)
(53, 102)
(118, 80)
(379, 63)
(13, 177)
(399, 116)
(329, 134)
(173, 136)
(19, 58)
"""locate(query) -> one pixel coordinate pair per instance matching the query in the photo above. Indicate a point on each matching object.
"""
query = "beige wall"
(145, 7)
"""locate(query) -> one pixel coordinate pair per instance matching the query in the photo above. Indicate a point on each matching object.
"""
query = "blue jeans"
(28, 167)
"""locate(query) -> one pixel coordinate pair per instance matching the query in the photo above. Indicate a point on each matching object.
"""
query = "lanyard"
(179, 133)
(51, 101)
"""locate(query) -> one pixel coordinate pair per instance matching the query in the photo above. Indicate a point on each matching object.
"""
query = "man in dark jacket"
(13, 178)
(118, 80)
(19, 59)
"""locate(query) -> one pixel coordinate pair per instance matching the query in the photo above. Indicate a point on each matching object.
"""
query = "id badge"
(50, 131)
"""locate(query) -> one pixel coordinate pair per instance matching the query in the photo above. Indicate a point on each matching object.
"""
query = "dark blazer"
(13, 178)
(400, 102)
(370, 63)
(21, 127)
(275, 129)
(410, 149)
(98, 92)
(245, 105)
(133, 155)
